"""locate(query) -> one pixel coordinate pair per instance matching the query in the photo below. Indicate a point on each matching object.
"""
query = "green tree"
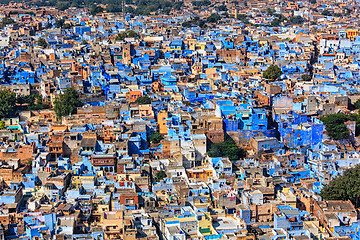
(67, 103)
(29, 161)
(201, 24)
(62, 5)
(35, 102)
(201, 3)
(344, 187)
(156, 138)
(213, 18)
(348, 12)
(278, 20)
(228, 148)
(273, 72)
(225, 15)
(96, 9)
(113, 8)
(2, 124)
(42, 43)
(326, 13)
(270, 11)
(306, 77)
(196, 21)
(21, 99)
(166, 11)
(357, 104)
(67, 26)
(297, 20)
(222, 8)
(132, 34)
(143, 100)
(243, 18)
(127, 34)
(186, 24)
(6, 21)
(142, 7)
(59, 23)
(335, 127)
(7, 103)
(275, 22)
(178, 5)
(160, 175)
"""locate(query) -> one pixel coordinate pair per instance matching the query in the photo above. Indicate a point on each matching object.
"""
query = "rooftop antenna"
(309, 21)
(123, 10)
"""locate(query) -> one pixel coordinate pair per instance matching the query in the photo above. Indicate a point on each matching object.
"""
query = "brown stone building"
(232, 55)
(55, 145)
(104, 162)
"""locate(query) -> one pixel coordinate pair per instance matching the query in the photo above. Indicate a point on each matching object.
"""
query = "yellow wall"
(161, 118)
(351, 34)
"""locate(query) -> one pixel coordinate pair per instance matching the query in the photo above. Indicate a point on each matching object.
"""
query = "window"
(129, 201)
